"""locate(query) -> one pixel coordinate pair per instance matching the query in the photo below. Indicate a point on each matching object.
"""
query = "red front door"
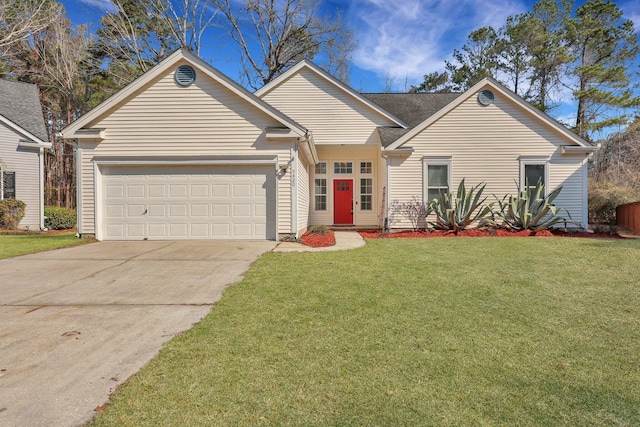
(343, 201)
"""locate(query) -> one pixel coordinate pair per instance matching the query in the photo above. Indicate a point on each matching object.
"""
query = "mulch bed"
(318, 240)
(474, 232)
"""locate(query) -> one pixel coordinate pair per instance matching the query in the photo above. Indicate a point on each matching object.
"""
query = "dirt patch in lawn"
(474, 232)
(318, 240)
(37, 232)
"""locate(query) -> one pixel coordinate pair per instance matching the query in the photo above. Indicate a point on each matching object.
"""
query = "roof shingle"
(20, 103)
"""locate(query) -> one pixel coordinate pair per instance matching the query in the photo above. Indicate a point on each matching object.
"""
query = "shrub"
(530, 210)
(459, 215)
(414, 211)
(603, 199)
(11, 213)
(56, 218)
(319, 230)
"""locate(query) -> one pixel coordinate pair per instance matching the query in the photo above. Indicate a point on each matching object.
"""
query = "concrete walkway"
(344, 240)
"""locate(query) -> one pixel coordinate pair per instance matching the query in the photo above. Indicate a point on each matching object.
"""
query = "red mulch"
(474, 232)
(317, 240)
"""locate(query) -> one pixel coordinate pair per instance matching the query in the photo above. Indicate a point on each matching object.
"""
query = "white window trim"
(340, 174)
(326, 194)
(435, 161)
(372, 194)
(531, 160)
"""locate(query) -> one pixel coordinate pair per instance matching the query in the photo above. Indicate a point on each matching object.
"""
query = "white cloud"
(409, 38)
(104, 5)
(631, 11)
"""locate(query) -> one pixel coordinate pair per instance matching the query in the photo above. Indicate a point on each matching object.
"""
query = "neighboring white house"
(23, 138)
(184, 152)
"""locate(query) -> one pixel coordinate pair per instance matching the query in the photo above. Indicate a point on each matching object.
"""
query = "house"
(184, 152)
(23, 138)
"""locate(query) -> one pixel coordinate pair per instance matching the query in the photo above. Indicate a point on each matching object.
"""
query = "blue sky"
(402, 39)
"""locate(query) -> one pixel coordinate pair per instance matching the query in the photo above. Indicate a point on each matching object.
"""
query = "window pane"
(366, 194)
(438, 176)
(365, 167)
(343, 167)
(9, 185)
(321, 168)
(434, 193)
(533, 174)
(321, 194)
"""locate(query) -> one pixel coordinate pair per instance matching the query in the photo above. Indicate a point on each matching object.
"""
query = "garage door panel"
(135, 230)
(135, 190)
(157, 190)
(199, 190)
(177, 211)
(115, 190)
(157, 231)
(177, 190)
(220, 190)
(199, 210)
(209, 202)
(157, 211)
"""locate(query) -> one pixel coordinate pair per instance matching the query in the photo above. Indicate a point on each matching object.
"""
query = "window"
(366, 194)
(366, 167)
(533, 173)
(436, 175)
(321, 168)
(342, 167)
(321, 194)
(8, 185)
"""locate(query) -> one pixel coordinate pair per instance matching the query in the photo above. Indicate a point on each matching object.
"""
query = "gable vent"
(184, 75)
(485, 97)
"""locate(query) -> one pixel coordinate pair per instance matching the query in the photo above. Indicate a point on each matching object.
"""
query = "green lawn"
(480, 331)
(20, 244)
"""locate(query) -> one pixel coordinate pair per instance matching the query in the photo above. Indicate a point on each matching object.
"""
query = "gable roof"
(161, 68)
(307, 65)
(20, 106)
(498, 87)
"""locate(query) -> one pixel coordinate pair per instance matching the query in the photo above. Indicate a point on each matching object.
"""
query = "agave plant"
(531, 209)
(457, 214)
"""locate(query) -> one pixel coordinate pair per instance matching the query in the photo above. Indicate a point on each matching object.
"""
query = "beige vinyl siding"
(486, 145)
(164, 121)
(87, 190)
(26, 164)
(302, 182)
(331, 154)
(334, 116)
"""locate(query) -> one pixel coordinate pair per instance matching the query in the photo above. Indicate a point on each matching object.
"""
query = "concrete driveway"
(75, 323)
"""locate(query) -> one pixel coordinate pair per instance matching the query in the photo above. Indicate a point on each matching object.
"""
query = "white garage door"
(189, 202)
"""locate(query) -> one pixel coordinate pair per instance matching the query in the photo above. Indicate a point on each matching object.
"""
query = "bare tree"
(21, 18)
(189, 18)
(274, 35)
(140, 33)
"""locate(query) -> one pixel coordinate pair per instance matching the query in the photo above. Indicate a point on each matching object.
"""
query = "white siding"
(26, 164)
(302, 182)
(485, 145)
(334, 116)
(164, 121)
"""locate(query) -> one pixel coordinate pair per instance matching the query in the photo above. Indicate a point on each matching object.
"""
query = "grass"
(21, 244)
(480, 331)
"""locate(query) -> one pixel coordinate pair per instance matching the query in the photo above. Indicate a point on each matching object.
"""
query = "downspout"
(585, 193)
(385, 223)
(41, 184)
(294, 188)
